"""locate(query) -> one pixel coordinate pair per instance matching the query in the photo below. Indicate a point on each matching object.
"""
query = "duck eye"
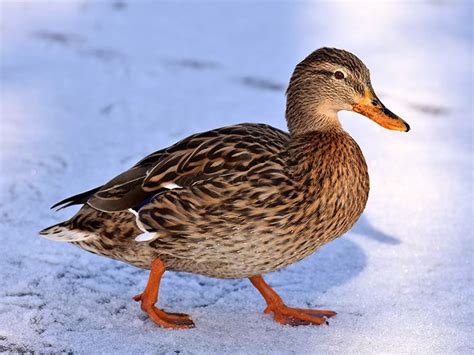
(339, 74)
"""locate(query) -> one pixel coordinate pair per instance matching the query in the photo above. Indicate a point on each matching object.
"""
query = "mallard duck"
(243, 200)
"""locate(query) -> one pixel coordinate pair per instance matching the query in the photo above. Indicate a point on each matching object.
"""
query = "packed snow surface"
(88, 88)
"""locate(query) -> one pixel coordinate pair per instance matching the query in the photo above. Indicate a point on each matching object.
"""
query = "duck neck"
(303, 117)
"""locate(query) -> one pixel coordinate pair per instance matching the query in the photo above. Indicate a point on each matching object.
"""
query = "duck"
(244, 200)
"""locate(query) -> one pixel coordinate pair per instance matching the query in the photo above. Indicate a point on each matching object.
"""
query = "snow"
(88, 88)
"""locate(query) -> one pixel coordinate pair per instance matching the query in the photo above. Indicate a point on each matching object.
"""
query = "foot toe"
(178, 318)
(319, 312)
(296, 316)
(295, 322)
(164, 320)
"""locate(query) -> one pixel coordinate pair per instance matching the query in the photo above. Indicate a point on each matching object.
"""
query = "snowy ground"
(88, 88)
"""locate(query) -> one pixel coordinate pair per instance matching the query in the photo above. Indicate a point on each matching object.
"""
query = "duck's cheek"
(345, 106)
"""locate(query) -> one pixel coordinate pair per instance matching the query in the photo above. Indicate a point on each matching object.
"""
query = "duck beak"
(370, 106)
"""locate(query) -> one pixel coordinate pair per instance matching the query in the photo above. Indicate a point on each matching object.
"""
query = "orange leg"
(284, 314)
(149, 297)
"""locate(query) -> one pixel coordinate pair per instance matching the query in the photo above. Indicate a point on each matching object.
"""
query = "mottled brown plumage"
(243, 200)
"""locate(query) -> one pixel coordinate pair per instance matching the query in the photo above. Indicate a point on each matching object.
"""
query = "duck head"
(330, 80)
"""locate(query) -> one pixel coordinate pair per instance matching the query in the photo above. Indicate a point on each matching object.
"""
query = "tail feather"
(62, 233)
(78, 199)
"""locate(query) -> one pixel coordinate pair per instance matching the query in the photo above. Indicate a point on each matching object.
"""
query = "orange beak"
(371, 107)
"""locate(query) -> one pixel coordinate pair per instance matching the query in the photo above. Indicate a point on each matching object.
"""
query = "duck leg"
(149, 297)
(284, 314)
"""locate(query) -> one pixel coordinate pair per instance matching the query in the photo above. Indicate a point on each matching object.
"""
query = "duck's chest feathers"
(333, 185)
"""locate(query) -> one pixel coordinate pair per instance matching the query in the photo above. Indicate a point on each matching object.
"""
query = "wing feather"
(199, 158)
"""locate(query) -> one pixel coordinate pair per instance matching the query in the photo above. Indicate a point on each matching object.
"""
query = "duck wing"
(196, 159)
